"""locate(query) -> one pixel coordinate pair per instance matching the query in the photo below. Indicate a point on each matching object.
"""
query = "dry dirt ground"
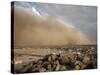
(23, 56)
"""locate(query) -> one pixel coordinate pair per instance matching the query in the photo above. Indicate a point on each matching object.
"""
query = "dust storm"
(33, 30)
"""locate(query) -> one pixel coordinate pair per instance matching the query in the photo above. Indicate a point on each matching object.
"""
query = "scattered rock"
(67, 60)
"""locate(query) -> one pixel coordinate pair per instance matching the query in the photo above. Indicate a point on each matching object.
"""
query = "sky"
(84, 18)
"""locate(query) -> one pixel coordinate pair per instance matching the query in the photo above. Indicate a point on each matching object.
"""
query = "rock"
(53, 57)
(77, 67)
(63, 68)
(63, 59)
(57, 66)
(49, 67)
(42, 69)
(49, 58)
(86, 60)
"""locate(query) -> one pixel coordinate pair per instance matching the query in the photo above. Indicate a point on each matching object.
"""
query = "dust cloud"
(33, 30)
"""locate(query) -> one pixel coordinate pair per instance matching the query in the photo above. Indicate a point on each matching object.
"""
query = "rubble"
(77, 59)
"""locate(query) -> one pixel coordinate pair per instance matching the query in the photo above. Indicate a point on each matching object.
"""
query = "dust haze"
(33, 30)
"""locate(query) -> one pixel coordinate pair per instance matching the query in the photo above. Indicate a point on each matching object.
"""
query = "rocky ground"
(29, 60)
